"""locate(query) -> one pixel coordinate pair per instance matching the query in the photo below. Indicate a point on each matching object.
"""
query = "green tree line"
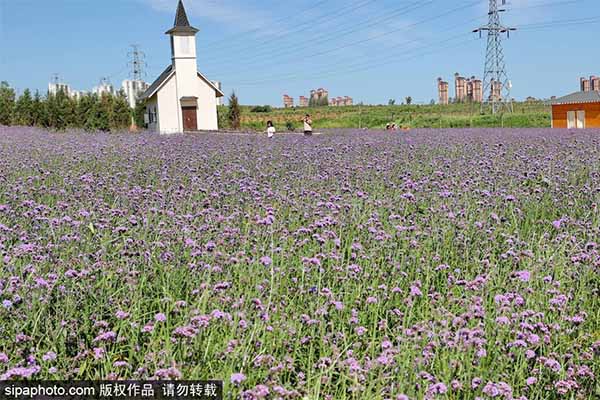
(60, 111)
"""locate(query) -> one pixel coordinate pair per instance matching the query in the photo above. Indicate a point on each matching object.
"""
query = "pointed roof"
(164, 77)
(182, 24)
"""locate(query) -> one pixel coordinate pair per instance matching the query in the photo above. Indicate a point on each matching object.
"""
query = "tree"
(7, 103)
(234, 112)
(55, 112)
(23, 110)
(408, 100)
(391, 102)
(121, 115)
(104, 112)
(69, 106)
(39, 115)
(86, 112)
(138, 113)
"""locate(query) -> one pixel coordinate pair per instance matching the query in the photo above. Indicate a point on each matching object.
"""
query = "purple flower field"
(433, 264)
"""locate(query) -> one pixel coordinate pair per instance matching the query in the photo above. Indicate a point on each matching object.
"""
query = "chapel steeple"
(182, 24)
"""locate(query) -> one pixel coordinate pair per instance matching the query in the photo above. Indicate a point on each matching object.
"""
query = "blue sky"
(372, 50)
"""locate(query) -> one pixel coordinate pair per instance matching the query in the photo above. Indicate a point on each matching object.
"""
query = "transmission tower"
(496, 85)
(55, 78)
(137, 63)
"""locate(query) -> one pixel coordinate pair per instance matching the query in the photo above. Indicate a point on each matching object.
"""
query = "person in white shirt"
(270, 129)
(307, 125)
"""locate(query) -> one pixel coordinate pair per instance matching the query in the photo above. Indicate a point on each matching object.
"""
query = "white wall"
(170, 109)
(207, 106)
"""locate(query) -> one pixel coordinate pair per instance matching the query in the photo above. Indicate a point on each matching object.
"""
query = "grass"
(525, 115)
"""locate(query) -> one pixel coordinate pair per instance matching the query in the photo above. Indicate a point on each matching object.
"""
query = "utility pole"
(495, 79)
(137, 63)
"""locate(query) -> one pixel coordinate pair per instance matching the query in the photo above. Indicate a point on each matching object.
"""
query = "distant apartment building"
(468, 89)
(460, 88)
(595, 83)
(465, 90)
(78, 94)
(288, 102)
(133, 90)
(591, 84)
(442, 91)
(584, 84)
(54, 88)
(475, 87)
(496, 91)
(103, 88)
(341, 101)
(318, 96)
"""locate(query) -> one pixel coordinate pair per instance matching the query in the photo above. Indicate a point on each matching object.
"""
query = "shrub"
(234, 112)
(261, 109)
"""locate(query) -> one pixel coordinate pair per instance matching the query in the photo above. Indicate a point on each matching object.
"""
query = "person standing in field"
(270, 129)
(307, 125)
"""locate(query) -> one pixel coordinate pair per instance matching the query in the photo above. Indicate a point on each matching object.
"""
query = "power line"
(370, 65)
(338, 72)
(363, 65)
(564, 22)
(300, 28)
(310, 42)
(556, 3)
(286, 18)
(389, 60)
(367, 67)
(387, 55)
(389, 32)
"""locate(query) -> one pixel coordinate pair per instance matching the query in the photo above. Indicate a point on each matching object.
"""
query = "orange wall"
(592, 114)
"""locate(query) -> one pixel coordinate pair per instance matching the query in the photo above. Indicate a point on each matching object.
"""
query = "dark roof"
(181, 18)
(578, 97)
(182, 24)
(161, 78)
(165, 75)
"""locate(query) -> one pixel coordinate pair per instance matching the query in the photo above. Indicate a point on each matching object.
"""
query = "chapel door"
(190, 121)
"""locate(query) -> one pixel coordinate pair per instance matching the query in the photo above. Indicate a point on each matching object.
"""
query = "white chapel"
(181, 99)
